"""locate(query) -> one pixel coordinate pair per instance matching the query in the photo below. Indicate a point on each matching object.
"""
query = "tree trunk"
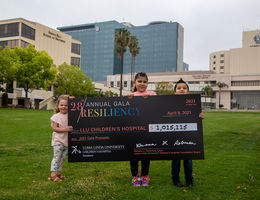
(219, 98)
(205, 102)
(133, 70)
(132, 73)
(121, 74)
(26, 102)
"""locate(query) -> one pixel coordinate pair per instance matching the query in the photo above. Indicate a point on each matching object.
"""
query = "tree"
(35, 69)
(108, 93)
(7, 66)
(134, 50)
(208, 91)
(72, 81)
(220, 86)
(164, 88)
(122, 37)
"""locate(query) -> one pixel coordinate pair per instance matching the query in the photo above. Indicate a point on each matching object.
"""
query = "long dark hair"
(140, 74)
(180, 81)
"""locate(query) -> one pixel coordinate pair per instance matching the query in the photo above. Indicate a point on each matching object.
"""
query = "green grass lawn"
(231, 169)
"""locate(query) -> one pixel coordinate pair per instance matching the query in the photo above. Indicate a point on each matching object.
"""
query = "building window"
(118, 83)
(10, 101)
(10, 43)
(221, 67)
(245, 83)
(9, 30)
(245, 100)
(28, 32)
(111, 83)
(75, 61)
(221, 55)
(214, 62)
(214, 68)
(24, 44)
(125, 83)
(222, 61)
(3, 43)
(21, 102)
(214, 56)
(75, 48)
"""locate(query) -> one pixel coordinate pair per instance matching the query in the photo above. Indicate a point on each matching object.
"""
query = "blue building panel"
(158, 43)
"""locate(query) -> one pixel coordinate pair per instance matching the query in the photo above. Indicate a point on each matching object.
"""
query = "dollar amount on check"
(176, 127)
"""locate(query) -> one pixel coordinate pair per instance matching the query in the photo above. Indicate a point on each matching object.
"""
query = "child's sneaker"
(136, 180)
(145, 180)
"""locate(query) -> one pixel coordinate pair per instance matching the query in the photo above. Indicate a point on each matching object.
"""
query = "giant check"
(122, 128)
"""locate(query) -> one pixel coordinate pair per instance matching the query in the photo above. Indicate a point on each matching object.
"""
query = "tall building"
(161, 48)
(244, 64)
(245, 60)
(60, 47)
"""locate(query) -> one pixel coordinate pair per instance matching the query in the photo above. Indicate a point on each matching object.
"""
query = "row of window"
(24, 44)
(118, 84)
(75, 61)
(221, 55)
(13, 43)
(10, 43)
(221, 67)
(9, 30)
(245, 83)
(212, 83)
(28, 32)
(75, 48)
(221, 61)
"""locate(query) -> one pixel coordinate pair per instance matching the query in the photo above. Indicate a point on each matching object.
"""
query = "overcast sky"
(209, 25)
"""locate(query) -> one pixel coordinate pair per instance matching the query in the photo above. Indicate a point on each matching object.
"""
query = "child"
(140, 83)
(182, 87)
(59, 123)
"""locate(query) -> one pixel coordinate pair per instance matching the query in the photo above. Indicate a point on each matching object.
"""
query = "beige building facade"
(239, 61)
(242, 93)
(60, 47)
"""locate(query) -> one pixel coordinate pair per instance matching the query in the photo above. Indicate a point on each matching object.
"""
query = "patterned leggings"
(59, 156)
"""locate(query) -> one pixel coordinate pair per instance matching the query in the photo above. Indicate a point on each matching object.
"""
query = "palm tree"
(134, 50)
(122, 37)
(220, 86)
(207, 90)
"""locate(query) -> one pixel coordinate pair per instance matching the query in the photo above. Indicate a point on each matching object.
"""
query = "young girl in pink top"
(59, 123)
(141, 83)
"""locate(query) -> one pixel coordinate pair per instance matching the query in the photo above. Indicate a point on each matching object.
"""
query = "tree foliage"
(105, 94)
(34, 69)
(72, 81)
(207, 90)
(7, 66)
(164, 88)
(220, 86)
